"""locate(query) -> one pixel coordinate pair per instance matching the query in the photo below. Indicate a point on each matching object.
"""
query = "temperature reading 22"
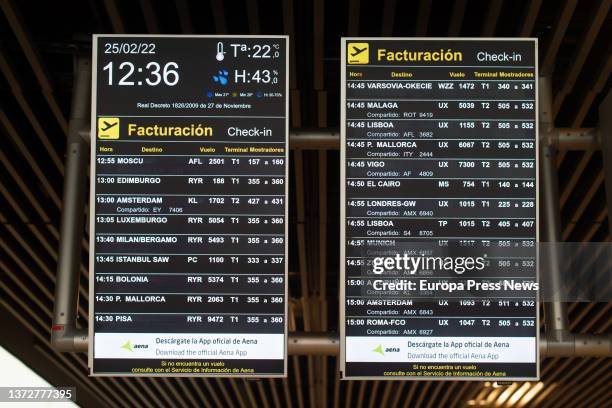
(259, 76)
(257, 50)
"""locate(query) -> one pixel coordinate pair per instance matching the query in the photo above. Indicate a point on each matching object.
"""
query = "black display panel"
(439, 209)
(188, 228)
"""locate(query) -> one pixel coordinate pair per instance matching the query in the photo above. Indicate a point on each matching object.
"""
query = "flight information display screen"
(439, 209)
(188, 228)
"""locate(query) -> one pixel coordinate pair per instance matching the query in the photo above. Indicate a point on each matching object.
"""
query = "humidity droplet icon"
(221, 77)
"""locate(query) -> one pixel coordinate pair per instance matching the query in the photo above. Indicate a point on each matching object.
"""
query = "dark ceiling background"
(38, 44)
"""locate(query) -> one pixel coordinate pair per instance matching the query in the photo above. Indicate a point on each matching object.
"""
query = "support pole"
(576, 139)
(556, 311)
(577, 345)
(313, 343)
(64, 334)
(556, 315)
(314, 140)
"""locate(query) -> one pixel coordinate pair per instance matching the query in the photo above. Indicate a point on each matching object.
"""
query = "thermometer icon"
(220, 53)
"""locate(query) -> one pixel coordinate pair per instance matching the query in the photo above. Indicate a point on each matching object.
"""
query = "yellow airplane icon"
(358, 53)
(108, 128)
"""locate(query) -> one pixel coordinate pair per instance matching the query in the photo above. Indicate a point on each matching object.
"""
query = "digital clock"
(154, 74)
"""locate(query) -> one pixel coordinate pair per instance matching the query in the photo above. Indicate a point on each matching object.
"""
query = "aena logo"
(380, 350)
(129, 347)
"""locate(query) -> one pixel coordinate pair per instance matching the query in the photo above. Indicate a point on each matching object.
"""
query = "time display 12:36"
(155, 74)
